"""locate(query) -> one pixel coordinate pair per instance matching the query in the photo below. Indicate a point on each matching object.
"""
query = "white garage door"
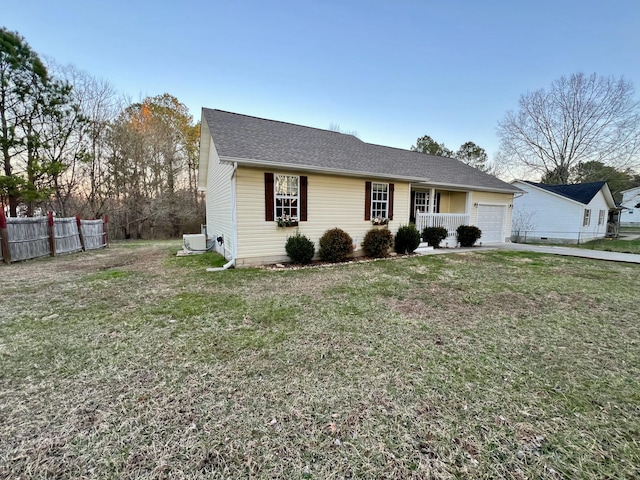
(491, 222)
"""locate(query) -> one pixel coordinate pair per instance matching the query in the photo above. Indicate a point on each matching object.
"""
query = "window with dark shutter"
(285, 196)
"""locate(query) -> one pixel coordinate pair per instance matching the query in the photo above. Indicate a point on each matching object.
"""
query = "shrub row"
(468, 235)
(336, 245)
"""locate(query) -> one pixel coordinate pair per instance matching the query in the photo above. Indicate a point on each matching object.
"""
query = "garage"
(491, 223)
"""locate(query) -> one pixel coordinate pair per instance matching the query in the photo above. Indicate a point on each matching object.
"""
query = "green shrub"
(300, 249)
(335, 245)
(468, 235)
(377, 242)
(407, 239)
(434, 235)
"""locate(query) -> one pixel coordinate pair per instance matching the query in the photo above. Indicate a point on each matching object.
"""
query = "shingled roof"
(580, 192)
(256, 141)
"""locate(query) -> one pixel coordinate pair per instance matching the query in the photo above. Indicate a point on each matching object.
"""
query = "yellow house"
(264, 180)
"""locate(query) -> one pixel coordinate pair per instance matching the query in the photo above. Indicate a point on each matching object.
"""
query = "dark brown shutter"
(303, 198)
(367, 200)
(268, 197)
(391, 189)
(436, 208)
(412, 212)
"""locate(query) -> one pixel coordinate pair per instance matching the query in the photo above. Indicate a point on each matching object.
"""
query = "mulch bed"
(322, 263)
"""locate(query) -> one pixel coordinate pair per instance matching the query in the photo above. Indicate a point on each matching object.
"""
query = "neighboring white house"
(561, 213)
(265, 180)
(630, 214)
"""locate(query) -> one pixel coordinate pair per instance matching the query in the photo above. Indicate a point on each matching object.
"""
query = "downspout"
(234, 226)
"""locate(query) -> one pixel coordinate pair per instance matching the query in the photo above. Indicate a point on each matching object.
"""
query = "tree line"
(583, 128)
(71, 144)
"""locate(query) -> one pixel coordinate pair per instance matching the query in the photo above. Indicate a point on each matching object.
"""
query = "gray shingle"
(279, 143)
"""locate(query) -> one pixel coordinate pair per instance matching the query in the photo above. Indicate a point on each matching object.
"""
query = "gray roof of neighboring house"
(580, 192)
(252, 140)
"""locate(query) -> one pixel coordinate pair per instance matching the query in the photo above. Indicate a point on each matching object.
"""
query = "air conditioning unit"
(196, 243)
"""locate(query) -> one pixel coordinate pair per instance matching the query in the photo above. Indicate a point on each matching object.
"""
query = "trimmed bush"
(434, 235)
(377, 242)
(407, 239)
(300, 249)
(335, 245)
(468, 235)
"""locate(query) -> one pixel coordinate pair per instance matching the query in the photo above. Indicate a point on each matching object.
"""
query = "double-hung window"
(421, 202)
(601, 217)
(586, 220)
(287, 196)
(379, 200)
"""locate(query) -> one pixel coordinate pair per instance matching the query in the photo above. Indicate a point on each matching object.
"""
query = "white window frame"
(421, 206)
(379, 201)
(288, 199)
(586, 219)
(601, 217)
(427, 200)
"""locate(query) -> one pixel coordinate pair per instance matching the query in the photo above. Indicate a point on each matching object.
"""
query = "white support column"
(432, 200)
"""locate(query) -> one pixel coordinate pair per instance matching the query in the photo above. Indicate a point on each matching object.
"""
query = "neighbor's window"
(287, 188)
(587, 217)
(601, 217)
(379, 200)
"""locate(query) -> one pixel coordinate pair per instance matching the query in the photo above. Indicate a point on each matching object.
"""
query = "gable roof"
(260, 142)
(579, 192)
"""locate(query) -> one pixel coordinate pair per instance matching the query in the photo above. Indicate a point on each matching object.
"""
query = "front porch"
(449, 209)
(450, 221)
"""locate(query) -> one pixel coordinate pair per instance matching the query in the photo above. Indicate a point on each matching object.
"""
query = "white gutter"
(234, 226)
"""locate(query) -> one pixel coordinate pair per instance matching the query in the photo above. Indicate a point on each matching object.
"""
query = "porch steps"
(423, 248)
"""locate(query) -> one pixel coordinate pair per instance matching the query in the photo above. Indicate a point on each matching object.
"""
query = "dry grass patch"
(484, 365)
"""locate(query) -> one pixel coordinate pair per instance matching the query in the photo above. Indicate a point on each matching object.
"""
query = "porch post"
(432, 200)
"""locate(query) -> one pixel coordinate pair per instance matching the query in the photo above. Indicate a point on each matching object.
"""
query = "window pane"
(379, 200)
(286, 195)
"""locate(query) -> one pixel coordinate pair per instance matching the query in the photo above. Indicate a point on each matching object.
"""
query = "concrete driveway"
(573, 252)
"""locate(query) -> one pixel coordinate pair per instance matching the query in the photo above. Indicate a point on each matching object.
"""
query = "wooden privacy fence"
(25, 238)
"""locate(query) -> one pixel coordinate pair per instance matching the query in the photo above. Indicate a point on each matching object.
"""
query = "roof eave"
(311, 168)
(354, 173)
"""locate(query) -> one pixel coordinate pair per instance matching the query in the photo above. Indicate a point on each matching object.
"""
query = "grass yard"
(131, 363)
(612, 245)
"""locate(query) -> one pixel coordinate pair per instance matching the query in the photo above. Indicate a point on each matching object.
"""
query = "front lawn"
(613, 245)
(130, 363)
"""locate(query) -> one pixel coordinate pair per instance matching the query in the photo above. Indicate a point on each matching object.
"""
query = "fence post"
(80, 232)
(4, 240)
(52, 235)
(105, 236)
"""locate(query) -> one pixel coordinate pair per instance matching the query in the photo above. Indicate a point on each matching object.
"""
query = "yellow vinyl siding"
(452, 202)
(332, 201)
(457, 202)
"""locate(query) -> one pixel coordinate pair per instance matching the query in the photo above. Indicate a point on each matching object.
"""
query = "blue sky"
(390, 70)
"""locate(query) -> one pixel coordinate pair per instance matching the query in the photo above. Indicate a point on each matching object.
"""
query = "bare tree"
(522, 223)
(335, 127)
(581, 118)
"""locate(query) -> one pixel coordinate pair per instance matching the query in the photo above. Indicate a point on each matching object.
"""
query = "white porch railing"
(450, 221)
